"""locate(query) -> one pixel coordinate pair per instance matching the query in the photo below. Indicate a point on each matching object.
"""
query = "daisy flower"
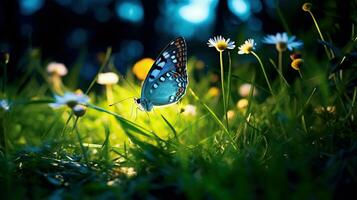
(220, 43)
(247, 47)
(282, 41)
(70, 99)
(108, 78)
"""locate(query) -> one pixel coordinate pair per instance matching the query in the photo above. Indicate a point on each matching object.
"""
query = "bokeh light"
(77, 38)
(241, 8)
(189, 19)
(28, 7)
(142, 68)
(131, 11)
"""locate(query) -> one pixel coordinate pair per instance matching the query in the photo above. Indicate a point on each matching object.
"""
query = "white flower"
(247, 47)
(5, 105)
(283, 41)
(70, 99)
(244, 90)
(220, 43)
(190, 110)
(108, 78)
(57, 68)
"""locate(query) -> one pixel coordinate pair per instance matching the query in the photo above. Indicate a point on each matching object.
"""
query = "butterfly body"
(166, 81)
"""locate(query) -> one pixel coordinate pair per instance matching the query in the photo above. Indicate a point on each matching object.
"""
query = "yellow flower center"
(71, 103)
(281, 46)
(221, 45)
(297, 63)
(247, 49)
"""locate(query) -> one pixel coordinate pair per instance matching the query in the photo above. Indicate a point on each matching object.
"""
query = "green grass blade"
(170, 126)
(214, 116)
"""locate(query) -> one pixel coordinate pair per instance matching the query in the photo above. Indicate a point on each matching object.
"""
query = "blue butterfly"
(166, 81)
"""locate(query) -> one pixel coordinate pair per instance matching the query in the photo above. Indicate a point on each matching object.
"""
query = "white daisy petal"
(289, 41)
(69, 97)
(220, 43)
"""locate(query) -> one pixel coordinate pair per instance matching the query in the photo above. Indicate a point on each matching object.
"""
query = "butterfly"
(166, 82)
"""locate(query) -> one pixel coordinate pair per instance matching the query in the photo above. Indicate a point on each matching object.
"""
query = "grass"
(298, 144)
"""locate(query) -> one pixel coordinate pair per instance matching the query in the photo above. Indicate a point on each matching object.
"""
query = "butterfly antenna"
(134, 113)
(131, 86)
(120, 101)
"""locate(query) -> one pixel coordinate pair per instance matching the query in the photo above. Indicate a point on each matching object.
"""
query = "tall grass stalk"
(214, 116)
(280, 74)
(265, 74)
(106, 60)
(229, 82)
(280, 14)
(328, 53)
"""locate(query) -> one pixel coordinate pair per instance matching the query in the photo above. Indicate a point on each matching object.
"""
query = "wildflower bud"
(297, 63)
(5, 57)
(231, 114)
(213, 92)
(242, 104)
(295, 56)
(199, 65)
(214, 78)
(306, 7)
(79, 110)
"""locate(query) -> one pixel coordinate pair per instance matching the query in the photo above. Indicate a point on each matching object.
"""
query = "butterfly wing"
(166, 82)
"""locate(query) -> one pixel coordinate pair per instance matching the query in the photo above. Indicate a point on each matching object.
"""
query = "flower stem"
(223, 89)
(300, 73)
(80, 139)
(265, 75)
(280, 64)
(285, 25)
(57, 84)
(109, 93)
(321, 36)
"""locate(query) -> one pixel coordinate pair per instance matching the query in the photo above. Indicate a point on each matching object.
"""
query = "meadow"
(280, 126)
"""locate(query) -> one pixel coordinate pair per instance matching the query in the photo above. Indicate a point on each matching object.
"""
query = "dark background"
(65, 29)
